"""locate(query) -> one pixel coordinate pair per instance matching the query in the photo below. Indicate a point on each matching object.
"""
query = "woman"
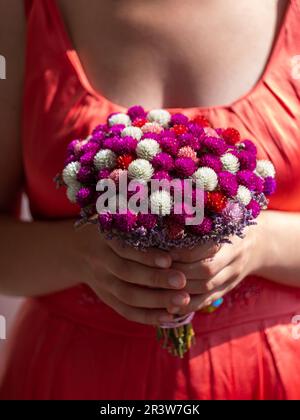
(72, 342)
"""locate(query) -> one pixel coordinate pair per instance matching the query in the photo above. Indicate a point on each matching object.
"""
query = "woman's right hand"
(138, 285)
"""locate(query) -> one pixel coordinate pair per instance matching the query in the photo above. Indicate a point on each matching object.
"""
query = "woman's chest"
(173, 53)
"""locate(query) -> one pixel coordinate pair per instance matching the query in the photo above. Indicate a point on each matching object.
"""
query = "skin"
(138, 40)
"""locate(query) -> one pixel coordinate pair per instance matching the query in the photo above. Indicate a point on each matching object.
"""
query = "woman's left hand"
(211, 278)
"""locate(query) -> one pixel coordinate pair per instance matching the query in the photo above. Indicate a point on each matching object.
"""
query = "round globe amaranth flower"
(216, 201)
(103, 174)
(161, 203)
(247, 160)
(248, 146)
(248, 179)
(207, 177)
(105, 220)
(169, 145)
(148, 221)
(190, 140)
(70, 172)
(116, 174)
(216, 145)
(187, 152)
(162, 175)
(124, 161)
(152, 127)
(231, 136)
(105, 159)
(136, 112)
(119, 119)
(269, 185)
(265, 169)
(133, 132)
(228, 183)
(125, 222)
(233, 212)
(147, 149)
(86, 174)
(204, 228)
(160, 116)
(211, 161)
(185, 167)
(230, 163)
(254, 207)
(123, 145)
(72, 191)
(179, 119)
(163, 161)
(85, 196)
(140, 169)
(244, 195)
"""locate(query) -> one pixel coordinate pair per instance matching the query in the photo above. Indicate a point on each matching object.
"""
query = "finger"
(199, 302)
(141, 297)
(142, 316)
(197, 253)
(150, 257)
(195, 287)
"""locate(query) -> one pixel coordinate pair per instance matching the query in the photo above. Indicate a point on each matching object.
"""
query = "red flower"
(231, 136)
(124, 161)
(216, 201)
(201, 120)
(179, 129)
(139, 122)
(174, 231)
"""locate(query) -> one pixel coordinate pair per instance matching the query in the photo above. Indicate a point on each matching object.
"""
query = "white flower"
(160, 116)
(105, 159)
(230, 163)
(161, 202)
(134, 132)
(265, 168)
(207, 177)
(140, 169)
(72, 191)
(147, 149)
(244, 195)
(119, 119)
(70, 173)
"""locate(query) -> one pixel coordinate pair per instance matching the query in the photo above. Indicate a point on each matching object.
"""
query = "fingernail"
(176, 281)
(180, 300)
(166, 318)
(174, 310)
(162, 262)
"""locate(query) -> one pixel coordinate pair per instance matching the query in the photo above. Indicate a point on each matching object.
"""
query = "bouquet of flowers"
(152, 179)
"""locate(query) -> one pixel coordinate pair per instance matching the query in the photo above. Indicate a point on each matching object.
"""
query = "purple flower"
(249, 146)
(116, 130)
(163, 161)
(228, 183)
(259, 187)
(269, 185)
(203, 228)
(162, 175)
(103, 174)
(87, 158)
(70, 158)
(248, 179)
(254, 207)
(148, 221)
(85, 175)
(188, 139)
(105, 221)
(233, 212)
(101, 128)
(247, 160)
(169, 145)
(185, 167)
(211, 161)
(90, 147)
(151, 135)
(215, 145)
(85, 196)
(124, 145)
(71, 149)
(179, 119)
(108, 143)
(195, 129)
(135, 112)
(124, 222)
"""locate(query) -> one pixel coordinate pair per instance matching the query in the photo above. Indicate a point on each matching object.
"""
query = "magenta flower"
(87, 158)
(85, 196)
(254, 207)
(188, 139)
(249, 146)
(228, 183)
(203, 228)
(105, 221)
(71, 158)
(124, 145)
(211, 161)
(169, 145)
(269, 185)
(179, 119)
(247, 160)
(248, 179)
(195, 129)
(86, 175)
(163, 161)
(135, 112)
(185, 167)
(103, 174)
(116, 130)
(124, 222)
(161, 175)
(148, 221)
(215, 145)
(233, 212)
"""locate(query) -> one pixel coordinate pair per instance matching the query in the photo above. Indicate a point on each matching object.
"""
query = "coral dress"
(70, 345)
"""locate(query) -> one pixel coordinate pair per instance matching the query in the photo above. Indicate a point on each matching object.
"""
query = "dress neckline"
(77, 64)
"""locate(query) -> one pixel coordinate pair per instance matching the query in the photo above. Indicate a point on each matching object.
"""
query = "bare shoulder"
(12, 46)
